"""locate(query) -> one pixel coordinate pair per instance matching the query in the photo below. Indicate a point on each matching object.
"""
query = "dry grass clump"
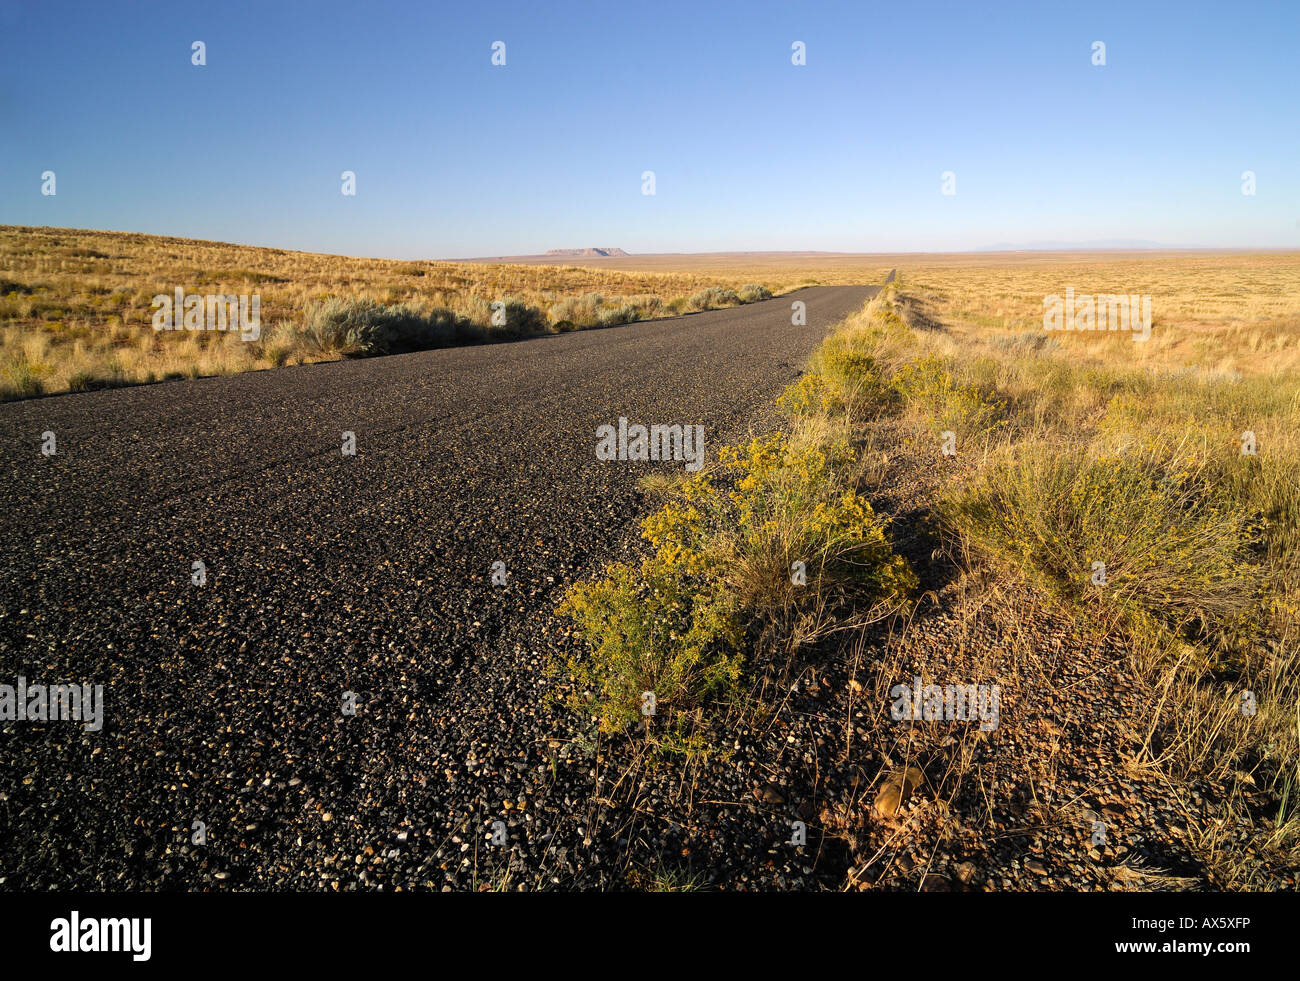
(1124, 534)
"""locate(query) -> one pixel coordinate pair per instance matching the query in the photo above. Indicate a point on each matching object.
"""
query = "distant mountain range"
(1108, 243)
(587, 253)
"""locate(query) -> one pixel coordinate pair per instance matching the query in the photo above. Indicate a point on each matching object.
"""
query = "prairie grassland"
(1180, 482)
(75, 306)
(780, 270)
(1212, 311)
(1171, 465)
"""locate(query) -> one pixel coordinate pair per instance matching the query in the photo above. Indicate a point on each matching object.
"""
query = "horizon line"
(981, 250)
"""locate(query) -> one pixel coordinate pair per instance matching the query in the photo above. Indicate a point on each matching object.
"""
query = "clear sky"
(455, 157)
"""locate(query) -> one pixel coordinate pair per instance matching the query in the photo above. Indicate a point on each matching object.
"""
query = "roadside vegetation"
(76, 306)
(1160, 502)
(1180, 479)
(1151, 501)
(766, 552)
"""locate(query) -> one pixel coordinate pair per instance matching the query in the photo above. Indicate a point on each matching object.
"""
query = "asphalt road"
(328, 574)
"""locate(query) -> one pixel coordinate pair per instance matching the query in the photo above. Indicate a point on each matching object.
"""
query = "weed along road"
(324, 669)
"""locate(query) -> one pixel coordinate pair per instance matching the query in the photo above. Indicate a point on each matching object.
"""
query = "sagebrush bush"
(648, 307)
(752, 293)
(624, 313)
(590, 310)
(366, 328)
(597, 310)
(521, 320)
(712, 298)
(576, 311)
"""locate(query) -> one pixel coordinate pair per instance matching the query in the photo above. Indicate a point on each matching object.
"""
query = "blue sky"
(455, 157)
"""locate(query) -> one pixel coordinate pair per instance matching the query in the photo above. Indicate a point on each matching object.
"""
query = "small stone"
(897, 788)
(966, 872)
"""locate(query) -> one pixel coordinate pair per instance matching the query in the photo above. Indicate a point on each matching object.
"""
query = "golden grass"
(75, 306)
(1075, 449)
(1214, 311)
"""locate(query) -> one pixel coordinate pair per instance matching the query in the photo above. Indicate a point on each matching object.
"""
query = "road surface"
(226, 759)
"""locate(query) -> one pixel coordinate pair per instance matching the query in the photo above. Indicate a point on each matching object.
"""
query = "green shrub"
(723, 557)
(811, 393)
(752, 293)
(654, 630)
(857, 375)
(949, 403)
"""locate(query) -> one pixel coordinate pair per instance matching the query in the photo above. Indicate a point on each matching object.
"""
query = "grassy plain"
(75, 306)
(1148, 491)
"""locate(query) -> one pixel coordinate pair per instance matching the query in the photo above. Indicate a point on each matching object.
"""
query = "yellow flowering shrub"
(654, 629)
(951, 404)
(723, 549)
(811, 393)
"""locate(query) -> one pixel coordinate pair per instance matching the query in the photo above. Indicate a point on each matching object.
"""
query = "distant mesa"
(587, 253)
